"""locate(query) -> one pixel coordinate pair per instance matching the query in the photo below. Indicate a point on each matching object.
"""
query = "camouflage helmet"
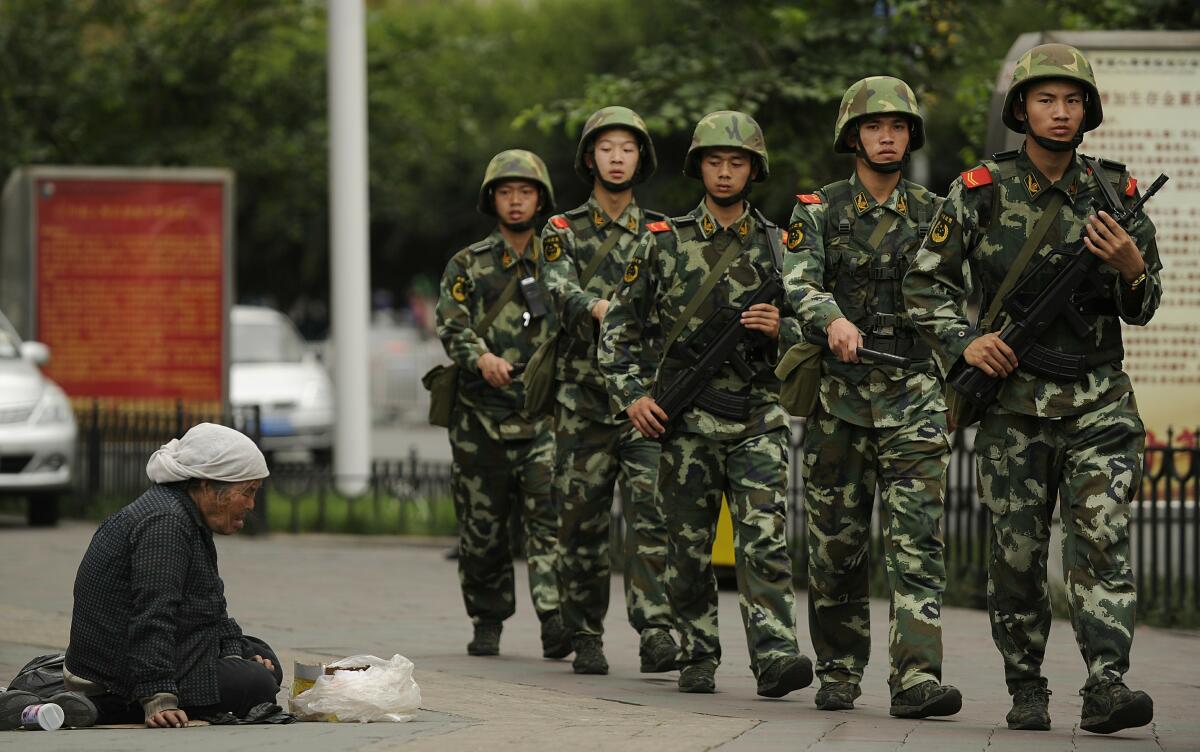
(878, 95)
(1054, 61)
(515, 164)
(729, 129)
(616, 117)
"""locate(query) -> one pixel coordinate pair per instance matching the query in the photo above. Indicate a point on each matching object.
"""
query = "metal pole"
(348, 257)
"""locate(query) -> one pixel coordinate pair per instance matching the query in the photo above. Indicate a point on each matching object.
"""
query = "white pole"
(348, 252)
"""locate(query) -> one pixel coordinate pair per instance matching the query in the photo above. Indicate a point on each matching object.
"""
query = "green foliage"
(242, 85)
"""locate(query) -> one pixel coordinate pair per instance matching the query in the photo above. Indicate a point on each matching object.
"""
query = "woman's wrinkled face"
(224, 506)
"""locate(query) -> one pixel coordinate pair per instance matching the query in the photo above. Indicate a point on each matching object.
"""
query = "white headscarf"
(210, 452)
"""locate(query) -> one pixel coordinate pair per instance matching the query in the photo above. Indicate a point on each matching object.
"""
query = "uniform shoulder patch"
(481, 246)
(560, 222)
(553, 247)
(1131, 186)
(808, 198)
(632, 271)
(940, 232)
(977, 177)
(794, 235)
(660, 226)
(458, 290)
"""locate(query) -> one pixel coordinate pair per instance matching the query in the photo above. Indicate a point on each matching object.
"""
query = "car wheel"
(43, 510)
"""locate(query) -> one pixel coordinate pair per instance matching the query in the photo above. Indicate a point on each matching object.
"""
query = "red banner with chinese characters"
(129, 278)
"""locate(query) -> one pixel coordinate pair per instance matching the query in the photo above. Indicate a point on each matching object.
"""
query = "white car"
(272, 368)
(37, 428)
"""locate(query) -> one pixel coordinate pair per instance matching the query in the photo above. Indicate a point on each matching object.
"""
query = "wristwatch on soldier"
(1137, 281)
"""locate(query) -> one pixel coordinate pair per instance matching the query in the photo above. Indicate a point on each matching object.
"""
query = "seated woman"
(151, 639)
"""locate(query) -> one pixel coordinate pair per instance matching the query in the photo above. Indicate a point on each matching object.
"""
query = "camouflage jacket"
(985, 220)
(474, 279)
(668, 267)
(833, 272)
(570, 242)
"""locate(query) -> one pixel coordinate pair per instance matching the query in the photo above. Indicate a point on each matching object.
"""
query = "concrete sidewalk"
(324, 597)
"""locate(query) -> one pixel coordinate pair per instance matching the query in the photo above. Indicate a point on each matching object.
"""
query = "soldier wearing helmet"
(492, 314)
(1070, 436)
(586, 252)
(875, 424)
(734, 440)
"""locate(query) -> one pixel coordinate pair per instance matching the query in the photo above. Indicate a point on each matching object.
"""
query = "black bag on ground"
(42, 676)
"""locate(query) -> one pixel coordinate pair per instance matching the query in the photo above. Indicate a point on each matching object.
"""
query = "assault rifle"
(871, 356)
(709, 348)
(1030, 315)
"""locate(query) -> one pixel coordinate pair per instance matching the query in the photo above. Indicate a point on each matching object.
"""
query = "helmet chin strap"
(517, 226)
(732, 199)
(612, 187)
(1053, 144)
(887, 168)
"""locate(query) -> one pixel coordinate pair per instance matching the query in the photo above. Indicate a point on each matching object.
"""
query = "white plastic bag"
(385, 691)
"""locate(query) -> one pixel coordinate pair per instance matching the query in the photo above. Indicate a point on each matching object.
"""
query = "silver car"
(272, 368)
(37, 428)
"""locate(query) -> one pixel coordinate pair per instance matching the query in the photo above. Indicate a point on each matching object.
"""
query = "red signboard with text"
(129, 281)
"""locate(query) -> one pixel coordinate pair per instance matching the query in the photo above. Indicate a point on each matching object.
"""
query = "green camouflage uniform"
(594, 448)
(501, 456)
(706, 455)
(875, 426)
(1078, 441)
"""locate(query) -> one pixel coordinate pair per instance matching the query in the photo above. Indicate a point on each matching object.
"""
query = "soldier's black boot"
(589, 655)
(1031, 708)
(698, 678)
(486, 640)
(837, 696)
(1111, 706)
(556, 643)
(785, 675)
(926, 699)
(658, 651)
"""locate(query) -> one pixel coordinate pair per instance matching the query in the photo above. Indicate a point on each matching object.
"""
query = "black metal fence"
(414, 497)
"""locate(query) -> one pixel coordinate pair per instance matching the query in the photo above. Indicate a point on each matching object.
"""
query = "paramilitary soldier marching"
(491, 315)
(874, 425)
(1069, 432)
(586, 251)
(733, 439)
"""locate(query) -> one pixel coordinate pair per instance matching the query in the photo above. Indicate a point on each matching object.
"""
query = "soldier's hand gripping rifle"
(706, 350)
(870, 356)
(1031, 315)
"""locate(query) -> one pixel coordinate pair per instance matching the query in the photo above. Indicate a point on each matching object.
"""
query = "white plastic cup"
(47, 716)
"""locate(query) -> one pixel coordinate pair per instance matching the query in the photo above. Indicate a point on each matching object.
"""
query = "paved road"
(331, 596)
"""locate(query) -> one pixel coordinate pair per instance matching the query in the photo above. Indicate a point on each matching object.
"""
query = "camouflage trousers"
(843, 464)
(591, 457)
(1092, 464)
(487, 478)
(693, 473)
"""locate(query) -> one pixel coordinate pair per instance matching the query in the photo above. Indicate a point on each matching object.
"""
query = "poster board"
(126, 274)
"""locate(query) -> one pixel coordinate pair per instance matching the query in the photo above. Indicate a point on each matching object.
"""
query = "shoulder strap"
(881, 229)
(701, 295)
(773, 242)
(1031, 245)
(614, 234)
(507, 295)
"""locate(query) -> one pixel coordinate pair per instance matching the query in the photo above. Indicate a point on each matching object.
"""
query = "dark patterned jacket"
(150, 612)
